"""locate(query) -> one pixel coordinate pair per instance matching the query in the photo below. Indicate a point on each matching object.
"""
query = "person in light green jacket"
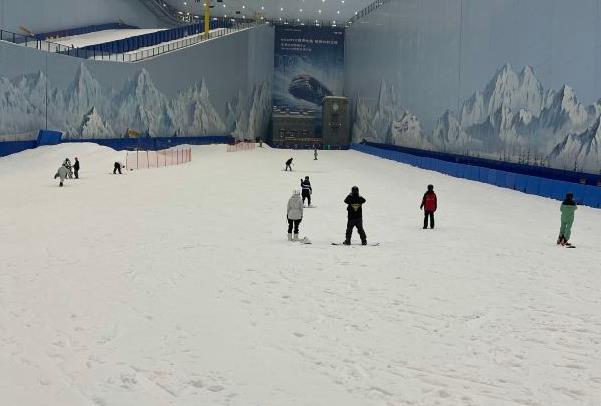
(568, 208)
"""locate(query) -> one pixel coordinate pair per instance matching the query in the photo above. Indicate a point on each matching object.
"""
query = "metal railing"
(366, 11)
(130, 57)
(164, 11)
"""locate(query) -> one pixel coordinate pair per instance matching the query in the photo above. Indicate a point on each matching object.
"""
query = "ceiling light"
(281, 8)
(301, 10)
(262, 8)
(319, 11)
(185, 4)
(243, 6)
(338, 12)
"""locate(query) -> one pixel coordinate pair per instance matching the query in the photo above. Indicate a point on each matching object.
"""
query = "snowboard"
(374, 244)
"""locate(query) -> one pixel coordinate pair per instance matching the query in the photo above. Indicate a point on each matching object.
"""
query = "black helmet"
(306, 177)
(430, 187)
(569, 196)
(355, 189)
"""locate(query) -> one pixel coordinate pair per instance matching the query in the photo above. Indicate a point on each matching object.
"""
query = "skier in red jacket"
(429, 204)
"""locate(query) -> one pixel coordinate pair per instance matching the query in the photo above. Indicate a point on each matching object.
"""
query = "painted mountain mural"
(85, 109)
(512, 118)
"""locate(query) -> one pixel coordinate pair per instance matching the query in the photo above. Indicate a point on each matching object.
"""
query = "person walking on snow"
(568, 208)
(429, 204)
(315, 154)
(62, 173)
(355, 216)
(76, 168)
(307, 190)
(294, 214)
(289, 165)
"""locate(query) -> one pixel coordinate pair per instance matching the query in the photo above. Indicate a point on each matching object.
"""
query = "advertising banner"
(309, 65)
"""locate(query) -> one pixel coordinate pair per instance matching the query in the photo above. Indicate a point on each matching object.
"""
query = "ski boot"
(289, 236)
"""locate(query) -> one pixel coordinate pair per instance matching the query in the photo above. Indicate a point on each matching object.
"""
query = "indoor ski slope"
(176, 286)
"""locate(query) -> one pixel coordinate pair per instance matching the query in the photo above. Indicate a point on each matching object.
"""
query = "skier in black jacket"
(307, 190)
(289, 165)
(76, 168)
(355, 216)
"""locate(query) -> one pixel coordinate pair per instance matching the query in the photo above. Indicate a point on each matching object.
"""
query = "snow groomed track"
(177, 286)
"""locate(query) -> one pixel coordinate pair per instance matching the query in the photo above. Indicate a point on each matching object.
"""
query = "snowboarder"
(289, 165)
(76, 168)
(429, 204)
(294, 214)
(117, 168)
(260, 142)
(568, 207)
(315, 154)
(62, 173)
(355, 216)
(67, 165)
(307, 190)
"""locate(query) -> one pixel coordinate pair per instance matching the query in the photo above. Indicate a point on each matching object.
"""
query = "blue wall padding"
(47, 137)
(12, 147)
(589, 195)
(532, 185)
(538, 171)
(153, 144)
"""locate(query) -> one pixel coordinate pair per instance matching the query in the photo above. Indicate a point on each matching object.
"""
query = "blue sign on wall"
(309, 65)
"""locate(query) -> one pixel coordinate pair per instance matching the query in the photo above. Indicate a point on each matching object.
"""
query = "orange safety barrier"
(157, 159)
(241, 146)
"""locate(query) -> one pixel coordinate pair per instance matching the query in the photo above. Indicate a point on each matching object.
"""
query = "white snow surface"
(100, 37)
(177, 286)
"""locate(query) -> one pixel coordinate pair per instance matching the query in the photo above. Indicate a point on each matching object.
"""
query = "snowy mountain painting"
(512, 118)
(85, 109)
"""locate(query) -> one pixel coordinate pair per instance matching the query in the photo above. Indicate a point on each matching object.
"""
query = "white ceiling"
(304, 10)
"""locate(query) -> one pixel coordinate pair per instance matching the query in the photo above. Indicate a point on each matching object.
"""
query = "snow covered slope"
(176, 286)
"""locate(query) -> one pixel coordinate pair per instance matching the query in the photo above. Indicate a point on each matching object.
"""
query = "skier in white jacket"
(294, 214)
(61, 173)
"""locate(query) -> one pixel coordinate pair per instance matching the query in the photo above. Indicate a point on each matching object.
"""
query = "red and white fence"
(157, 159)
(241, 146)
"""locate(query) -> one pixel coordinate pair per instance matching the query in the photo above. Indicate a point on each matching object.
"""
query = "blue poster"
(309, 65)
